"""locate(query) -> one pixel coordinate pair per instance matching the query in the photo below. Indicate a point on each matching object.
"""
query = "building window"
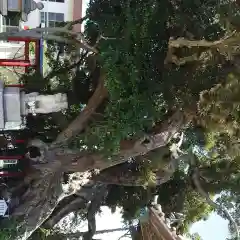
(10, 23)
(59, 1)
(52, 19)
(13, 5)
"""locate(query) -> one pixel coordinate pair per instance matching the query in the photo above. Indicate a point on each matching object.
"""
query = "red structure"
(5, 173)
(23, 62)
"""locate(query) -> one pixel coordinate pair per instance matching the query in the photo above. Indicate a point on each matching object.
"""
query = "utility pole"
(47, 14)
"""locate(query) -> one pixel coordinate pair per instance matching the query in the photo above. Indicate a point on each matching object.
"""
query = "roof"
(156, 228)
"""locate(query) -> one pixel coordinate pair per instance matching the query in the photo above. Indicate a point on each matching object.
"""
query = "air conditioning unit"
(10, 29)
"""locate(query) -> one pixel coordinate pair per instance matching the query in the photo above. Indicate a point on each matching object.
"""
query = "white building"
(53, 11)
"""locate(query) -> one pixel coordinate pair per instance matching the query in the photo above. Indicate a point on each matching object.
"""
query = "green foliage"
(177, 195)
(132, 199)
(34, 81)
(129, 58)
(195, 236)
(32, 48)
(8, 230)
(143, 90)
(219, 109)
(232, 202)
(220, 106)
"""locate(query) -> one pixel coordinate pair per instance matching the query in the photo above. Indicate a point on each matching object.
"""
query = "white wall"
(66, 8)
(33, 19)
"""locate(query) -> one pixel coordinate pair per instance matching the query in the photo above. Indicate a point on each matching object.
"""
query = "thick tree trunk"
(80, 122)
(92, 210)
(45, 197)
(128, 148)
(119, 175)
(45, 190)
(38, 203)
(45, 193)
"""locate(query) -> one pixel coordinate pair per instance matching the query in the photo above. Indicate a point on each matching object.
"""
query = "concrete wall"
(33, 19)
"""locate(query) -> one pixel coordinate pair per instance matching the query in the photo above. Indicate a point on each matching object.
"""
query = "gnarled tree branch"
(76, 203)
(129, 148)
(80, 122)
(205, 195)
(228, 40)
(92, 210)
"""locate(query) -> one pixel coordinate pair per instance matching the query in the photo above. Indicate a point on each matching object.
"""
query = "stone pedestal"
(45, 103)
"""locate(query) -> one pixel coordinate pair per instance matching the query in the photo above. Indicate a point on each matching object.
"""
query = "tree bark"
(223, 46)
(121, 175)
(45, 191)
(44, 194)
(80, 122)
(205, 195)
(76, 203)
(92, 210)
(230, 40)
(128, 148)
(38, 203)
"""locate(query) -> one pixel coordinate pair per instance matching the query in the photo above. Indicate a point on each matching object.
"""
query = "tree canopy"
(153, 89)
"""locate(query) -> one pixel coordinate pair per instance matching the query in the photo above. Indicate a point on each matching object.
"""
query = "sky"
(214, 228)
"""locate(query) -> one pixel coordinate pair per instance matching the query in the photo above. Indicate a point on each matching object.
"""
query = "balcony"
(10, 23)
(9, 29)
(14, 5)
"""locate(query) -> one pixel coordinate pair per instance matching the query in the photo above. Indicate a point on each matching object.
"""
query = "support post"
(26, 53)
(37, 55)
(15, 63)
(14, 85)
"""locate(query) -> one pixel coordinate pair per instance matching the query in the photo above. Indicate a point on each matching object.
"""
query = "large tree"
(141, 72)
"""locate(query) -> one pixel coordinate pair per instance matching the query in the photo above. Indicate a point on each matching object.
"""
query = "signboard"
(144, 215)
(3, 207)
